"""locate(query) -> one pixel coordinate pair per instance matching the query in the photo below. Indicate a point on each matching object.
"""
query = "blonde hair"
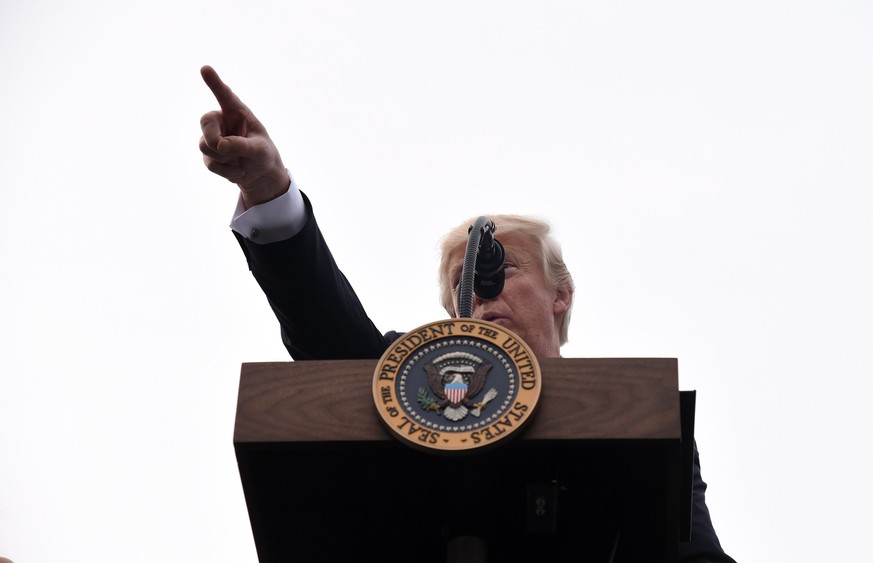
(514, 226)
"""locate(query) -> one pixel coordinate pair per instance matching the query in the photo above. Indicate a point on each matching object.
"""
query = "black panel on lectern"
(386, 502)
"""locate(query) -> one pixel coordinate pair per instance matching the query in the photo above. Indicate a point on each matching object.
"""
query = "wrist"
(269, 188)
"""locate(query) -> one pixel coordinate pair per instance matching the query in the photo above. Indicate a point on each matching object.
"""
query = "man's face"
(528, 305)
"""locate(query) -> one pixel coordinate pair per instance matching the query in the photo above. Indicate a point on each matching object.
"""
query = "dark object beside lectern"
(598, 475)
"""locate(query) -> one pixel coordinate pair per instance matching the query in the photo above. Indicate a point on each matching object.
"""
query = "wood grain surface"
(582, 399)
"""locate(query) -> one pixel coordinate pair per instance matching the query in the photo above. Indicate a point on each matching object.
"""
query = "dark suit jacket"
(321, 318)
(314, 303)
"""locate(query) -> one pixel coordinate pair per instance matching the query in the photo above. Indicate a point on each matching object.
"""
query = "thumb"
(234, 146)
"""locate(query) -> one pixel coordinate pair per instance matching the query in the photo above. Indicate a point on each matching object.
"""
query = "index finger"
(222, 92)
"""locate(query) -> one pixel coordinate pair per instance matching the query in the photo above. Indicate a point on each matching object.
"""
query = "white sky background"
(706, 165)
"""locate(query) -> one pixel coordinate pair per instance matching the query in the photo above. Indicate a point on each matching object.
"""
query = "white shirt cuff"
(275, 220)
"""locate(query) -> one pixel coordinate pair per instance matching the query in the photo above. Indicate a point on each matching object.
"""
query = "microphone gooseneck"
(483, 266)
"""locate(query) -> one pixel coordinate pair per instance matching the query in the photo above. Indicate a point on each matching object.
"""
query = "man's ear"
(563, 300)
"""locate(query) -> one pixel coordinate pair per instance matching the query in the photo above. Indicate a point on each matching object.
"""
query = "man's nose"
(477, 300)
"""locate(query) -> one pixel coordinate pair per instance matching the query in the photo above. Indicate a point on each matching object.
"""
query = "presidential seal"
(457, 385)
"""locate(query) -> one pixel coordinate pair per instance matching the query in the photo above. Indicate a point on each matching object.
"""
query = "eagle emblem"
(456, 378)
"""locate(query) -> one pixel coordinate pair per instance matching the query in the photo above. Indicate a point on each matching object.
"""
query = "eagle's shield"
(456, 391)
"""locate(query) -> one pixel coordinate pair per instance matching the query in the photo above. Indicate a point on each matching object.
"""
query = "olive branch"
(425, 399)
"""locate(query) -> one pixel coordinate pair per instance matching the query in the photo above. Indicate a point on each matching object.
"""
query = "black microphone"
(489, 275)
(482, 272)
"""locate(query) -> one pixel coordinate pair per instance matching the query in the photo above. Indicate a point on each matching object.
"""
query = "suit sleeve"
(320, 316)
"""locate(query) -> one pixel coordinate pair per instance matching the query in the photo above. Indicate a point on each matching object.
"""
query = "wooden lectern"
(594, 477)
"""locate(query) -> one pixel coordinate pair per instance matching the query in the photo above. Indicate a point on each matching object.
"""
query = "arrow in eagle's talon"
(477, 411)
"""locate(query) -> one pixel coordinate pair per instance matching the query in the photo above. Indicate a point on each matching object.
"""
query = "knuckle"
(213, 166)
(209, 163)
(208, 119)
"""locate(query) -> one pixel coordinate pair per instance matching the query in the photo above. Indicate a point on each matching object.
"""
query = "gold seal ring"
(457, 385)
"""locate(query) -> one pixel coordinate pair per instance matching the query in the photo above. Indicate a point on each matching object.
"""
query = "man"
(289, 258)
(274, 221)
(538, 293)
